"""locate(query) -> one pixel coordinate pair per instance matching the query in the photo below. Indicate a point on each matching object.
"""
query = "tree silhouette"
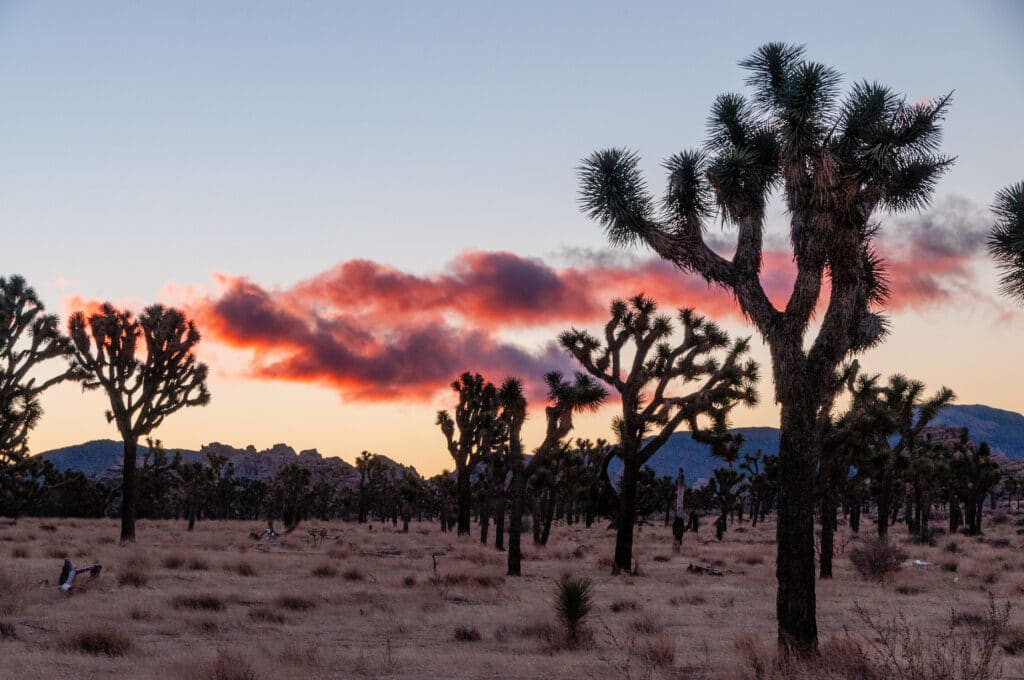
(566, 397)
(143, 387)
(837, 161)
(478, 433)
(649, 384)
(1006, 240)
(28, 338)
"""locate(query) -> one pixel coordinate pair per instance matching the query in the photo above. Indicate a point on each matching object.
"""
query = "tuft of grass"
(19, 552)
(353, 574)
(232, 666)
(100, 642)
(325, 570)
(7, 631)
(173, 562)
(266, 615)
(295, 603)
(204, 602)
(409, 581)
(197, 564)
(620, 606)
(133, 573)
(241, 568)
(466, 634)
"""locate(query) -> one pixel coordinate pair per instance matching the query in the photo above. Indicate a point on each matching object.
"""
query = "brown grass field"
(216, 604)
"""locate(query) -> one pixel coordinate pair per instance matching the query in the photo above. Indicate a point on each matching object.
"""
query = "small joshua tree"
(28, 338)
(649, 383)
(1006, 240)
(573, 602)
(476, 418)
(143, 387)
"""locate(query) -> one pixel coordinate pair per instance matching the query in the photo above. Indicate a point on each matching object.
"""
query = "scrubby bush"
(231, 666)
(100, 642)
(573, 602)
(876, 558)
(466, 634)
(211, 603)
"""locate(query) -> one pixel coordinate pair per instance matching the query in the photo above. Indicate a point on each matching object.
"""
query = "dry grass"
(198, 618)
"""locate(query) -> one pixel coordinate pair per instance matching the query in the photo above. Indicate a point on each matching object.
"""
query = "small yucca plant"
(573, 601)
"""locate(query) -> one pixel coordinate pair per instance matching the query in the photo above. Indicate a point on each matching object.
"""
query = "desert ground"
(215, 603)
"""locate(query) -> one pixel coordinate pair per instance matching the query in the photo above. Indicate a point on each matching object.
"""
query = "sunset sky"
(357, 201)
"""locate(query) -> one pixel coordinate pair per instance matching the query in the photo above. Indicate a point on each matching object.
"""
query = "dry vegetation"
(216, 604)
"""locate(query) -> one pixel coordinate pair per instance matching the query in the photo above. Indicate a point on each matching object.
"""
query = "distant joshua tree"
(1006, 240)
(838, 160)
(143, 387)
(649, 378)
(566, 397)
(479, 432)
(28, 338)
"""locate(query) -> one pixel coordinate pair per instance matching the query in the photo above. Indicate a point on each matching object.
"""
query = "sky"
(357, 201)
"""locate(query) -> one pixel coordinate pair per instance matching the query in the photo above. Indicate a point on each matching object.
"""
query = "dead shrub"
(409, 581)
(877, 558)
(295, 603)
(241, 568)
(325, 571)
(19, 552)
(659, 653)
(133, 573)
(100, 642)
(353, 574)
(204, 602)
(752, 560)
(661, 558)
(58, 553)
(647, 625)
(266, 615)
(624, 606)
(950, 566)
(466, 634)
(173, 562)
(7, 631)
(197, 564)
(1012, 641)
(232, 666)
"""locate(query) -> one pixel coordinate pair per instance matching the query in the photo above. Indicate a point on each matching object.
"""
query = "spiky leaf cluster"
(1006, 240)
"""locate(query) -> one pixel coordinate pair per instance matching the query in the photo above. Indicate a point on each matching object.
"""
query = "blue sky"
(145, 143)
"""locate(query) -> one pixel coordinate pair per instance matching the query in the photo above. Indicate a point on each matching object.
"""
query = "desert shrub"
(325, 570)
(876, 558)
(488, 581)
(953, 547)
(19, 552)
(624, 606)
(909, 589)
(1012, 640)
(753, 560)
(659, 653)
(197, 564)
(353, 574)
(409, 581)
(133, 573)
(57, 553)
(266, 615)
(100, 642)
(573, 602)
(173, 562)
(646, 625)
(1000, 543)
(950, 566)
(661, 558)
(7, 631)
(295, 603)
(999, 519)
(231, 666)
(466, 634)
(241, 568)
(205, 602)
(10, 595)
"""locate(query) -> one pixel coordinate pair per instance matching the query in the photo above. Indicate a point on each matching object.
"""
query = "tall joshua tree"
(479, 431)
(838, 160)
(28, 338)
(566, 397)
(637, 360)
(1006, 240)
(144, 385)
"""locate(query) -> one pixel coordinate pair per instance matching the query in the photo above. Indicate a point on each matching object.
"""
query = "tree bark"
(464, 499)
(795, 600)
(627, 517)
(499, 525)
(515, 523)
(129, 491)
(828, 528)
(549, 517)
(485, 520)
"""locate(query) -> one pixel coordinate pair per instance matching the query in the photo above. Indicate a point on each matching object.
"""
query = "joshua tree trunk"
(627, 517)
(549, 517)
(925, 508)
(129, 492)
(191, 515)
(485, 520)
(855, 504)
(464, 499)
(515, 523)
(499, 525)
(795, 600)
(828, 527)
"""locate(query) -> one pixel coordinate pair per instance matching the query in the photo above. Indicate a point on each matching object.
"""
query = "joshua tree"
(838, 161)
(1006, 240)
(143, 390)
(28, 338)
(573, 602)
(476, 417)
(566, 397)
(975, 473)
(649, 383)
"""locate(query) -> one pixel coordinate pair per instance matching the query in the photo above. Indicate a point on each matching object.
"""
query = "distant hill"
(1003, 430)
(101, 459)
